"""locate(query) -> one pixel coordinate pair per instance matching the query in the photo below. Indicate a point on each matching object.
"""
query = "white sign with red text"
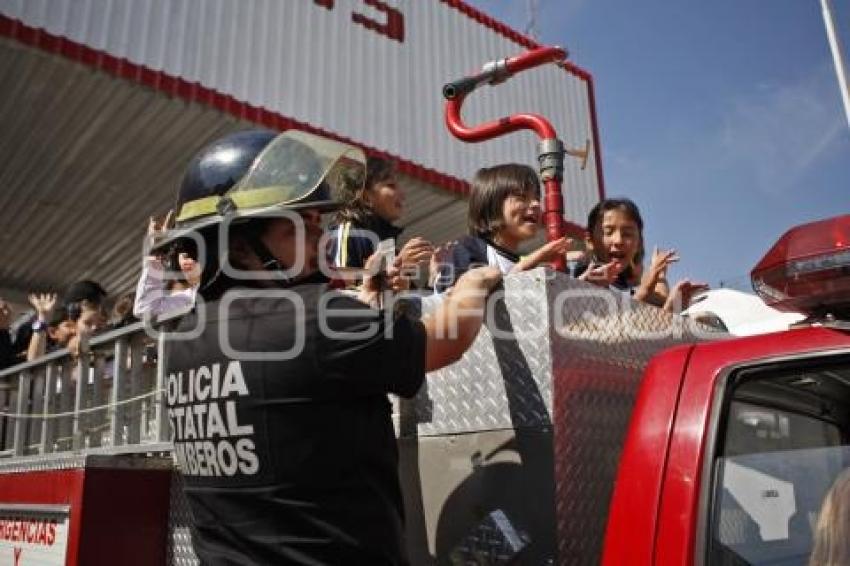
(33, 535)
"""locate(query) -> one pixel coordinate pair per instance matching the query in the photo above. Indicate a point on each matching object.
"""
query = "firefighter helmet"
(255, 172)
(214, 170)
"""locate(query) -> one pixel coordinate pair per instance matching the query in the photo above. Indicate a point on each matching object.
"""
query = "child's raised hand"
(602, 274)
(661, 260)
(43, 304)
(442, 255)
(546, 253)
(681, 295)
(555, 249)
(653, 283)
(157, 230)
(416, 251)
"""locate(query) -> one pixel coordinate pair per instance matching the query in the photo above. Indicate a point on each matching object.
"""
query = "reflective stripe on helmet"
(197, 208)
(245, 199)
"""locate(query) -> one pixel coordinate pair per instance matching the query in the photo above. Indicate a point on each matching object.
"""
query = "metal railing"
(106, 400)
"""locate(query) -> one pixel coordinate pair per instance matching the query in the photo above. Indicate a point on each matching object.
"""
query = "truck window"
(784, 443)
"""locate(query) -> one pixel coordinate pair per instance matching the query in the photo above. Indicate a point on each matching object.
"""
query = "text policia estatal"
(208, 439)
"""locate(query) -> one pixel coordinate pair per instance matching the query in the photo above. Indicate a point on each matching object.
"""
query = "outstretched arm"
(653, 288)
(452, 328)
(544, 254)
(43, 304)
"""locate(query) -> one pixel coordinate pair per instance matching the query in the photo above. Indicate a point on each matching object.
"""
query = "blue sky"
(722, 119)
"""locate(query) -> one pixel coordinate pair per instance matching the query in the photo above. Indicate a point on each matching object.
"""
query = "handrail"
(108, 399)
(96, 340)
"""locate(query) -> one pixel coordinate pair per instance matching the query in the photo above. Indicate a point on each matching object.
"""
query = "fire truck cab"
(734, 445)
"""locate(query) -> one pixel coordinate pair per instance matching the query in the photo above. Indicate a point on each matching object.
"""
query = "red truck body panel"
(117, 516)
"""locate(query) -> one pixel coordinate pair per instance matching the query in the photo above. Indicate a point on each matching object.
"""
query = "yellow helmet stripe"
(199, 207)
(251, 198)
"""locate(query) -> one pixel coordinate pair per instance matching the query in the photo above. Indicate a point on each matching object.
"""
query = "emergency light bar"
(808, 269)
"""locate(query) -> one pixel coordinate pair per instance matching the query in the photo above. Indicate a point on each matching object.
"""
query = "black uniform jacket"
(282, 426)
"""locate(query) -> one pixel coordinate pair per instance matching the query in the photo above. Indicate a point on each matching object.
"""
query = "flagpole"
(837, 55)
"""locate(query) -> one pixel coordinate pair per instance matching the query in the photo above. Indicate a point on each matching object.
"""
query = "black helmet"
(215, 169)
(252, 172)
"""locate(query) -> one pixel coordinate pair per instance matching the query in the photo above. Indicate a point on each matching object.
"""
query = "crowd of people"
(54, 322)
(504, 213)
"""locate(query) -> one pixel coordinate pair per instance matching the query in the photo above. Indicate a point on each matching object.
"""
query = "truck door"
(779, 476)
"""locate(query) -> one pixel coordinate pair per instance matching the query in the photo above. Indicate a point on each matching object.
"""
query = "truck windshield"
(781, 487)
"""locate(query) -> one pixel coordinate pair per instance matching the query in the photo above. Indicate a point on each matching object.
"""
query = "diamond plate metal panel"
(563, 353)
(42, 463)
(504, 380)
(603, 342)
(494, 541)
(154, 460)
(180, 551)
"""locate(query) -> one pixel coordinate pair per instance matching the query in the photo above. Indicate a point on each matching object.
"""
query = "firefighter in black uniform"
(277, 403)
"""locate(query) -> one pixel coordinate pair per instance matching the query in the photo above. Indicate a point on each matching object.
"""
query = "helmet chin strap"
(269, 261)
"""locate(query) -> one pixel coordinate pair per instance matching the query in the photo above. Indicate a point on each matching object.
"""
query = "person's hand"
(555, 249)
(5, 315)
(652, 282)
(157, 230)
(441, 256)
(602, 274)
(661, 260)
(415, 252)
(43, 304)
(681, 295)
(376, 281)
(547, 253)
(396, 279)
(374, 277)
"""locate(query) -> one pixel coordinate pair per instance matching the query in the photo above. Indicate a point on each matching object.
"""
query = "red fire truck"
(581, 426)
(570, 433)
(733, 451)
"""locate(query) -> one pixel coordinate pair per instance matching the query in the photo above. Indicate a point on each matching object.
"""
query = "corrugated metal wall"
(86, 159)
(317, 65)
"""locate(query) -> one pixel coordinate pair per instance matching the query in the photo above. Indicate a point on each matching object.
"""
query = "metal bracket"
(581, 153)
(551, 159)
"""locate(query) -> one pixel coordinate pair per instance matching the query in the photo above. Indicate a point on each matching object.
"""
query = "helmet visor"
(297, 170)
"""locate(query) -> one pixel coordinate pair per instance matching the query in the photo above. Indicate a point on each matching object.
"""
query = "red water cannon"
(808, 270)
(551, 149)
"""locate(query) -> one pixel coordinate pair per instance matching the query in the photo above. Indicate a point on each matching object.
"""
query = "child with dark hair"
(504, 212)
(157, 294)
(60, 326)
(616, 252)
(85, 290)
(38, 330)
(367, 218)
